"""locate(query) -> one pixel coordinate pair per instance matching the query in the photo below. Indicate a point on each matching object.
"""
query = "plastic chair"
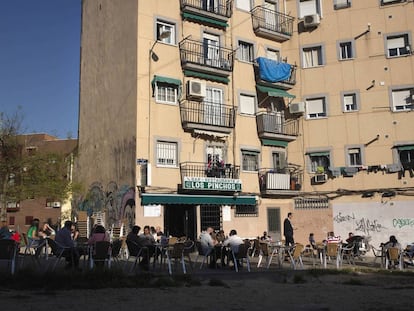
(100, 252)
(202, 253)
(394, 257)
(333, 250)
(116, 250)
(175, 253)
(295, 255)
(263, 249)
(136, 251)
(8, 253)
(59, 251)
(242, 253)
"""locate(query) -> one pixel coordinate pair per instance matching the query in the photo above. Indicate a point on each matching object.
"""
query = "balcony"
(286, 181)
(271, 24)
(284, 84)
(210, 176)
(207, 116)
(213, 13)
(273, 126)
(205, 58)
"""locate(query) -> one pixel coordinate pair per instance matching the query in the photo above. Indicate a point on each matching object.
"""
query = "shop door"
(180, 220)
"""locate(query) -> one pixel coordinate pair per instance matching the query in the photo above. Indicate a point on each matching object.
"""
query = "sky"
(39, 64)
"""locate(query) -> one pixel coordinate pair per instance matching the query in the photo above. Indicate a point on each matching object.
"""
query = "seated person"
(409, 251)
(207, 244)
(233, 241)
(46, 230)
(332, 238)
(146, 239)
(220, 236)
(5, 233)
(64, 239)
(265, 237)
(99, 234)
(312, 242)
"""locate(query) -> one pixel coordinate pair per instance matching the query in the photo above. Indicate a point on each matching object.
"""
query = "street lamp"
(152, 55)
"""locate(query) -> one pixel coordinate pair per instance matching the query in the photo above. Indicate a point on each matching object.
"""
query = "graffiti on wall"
(117, 203)
(375, 220)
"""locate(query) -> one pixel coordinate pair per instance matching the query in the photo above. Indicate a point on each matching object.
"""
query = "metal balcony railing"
(199, 53)
(201, 169)
(206, 113)
(274, 124)
(219, 7)
(288, 178)
(264, 18)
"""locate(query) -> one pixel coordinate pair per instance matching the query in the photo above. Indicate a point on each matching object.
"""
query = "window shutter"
(314, 106)
(395, 43)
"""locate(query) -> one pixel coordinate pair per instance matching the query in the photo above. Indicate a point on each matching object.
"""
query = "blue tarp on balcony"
(273, 71)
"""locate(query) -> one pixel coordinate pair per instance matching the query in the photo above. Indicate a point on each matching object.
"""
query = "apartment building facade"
(231, 114)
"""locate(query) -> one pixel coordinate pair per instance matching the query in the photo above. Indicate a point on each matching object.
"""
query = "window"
(273, 54)
(28, 220)
(319, 161)
(385, 2)
(165, 32)
(402, 99)
(213, 107)
(244, 5)
(316, 108)
(349, 102)
(166, 93)
(312, 57)
(354, 156)
(245, 210)
(167, 154)
(12, 220)
(246, 52)
(247, 104)
(398, 45)
(250, 160)
(279, 161)
(309, 7)
(341, 4)
(346, 50)
(406, 156)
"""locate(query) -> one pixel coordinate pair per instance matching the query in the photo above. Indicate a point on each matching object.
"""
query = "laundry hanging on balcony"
(273, 71)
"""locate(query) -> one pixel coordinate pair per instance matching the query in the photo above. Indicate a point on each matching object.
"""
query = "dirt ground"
(234, 291)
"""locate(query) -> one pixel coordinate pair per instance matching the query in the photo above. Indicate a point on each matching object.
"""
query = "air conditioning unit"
(56, 204)
(297, 107)
(196, 89)
(320, 178)
(311, 20)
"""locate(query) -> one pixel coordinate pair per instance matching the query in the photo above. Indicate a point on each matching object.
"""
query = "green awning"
(204, 19)
(202, 75)
(404, 148)
(274, 92)
(149, 198)
(318, 154)
(275, 143)
(165, 80)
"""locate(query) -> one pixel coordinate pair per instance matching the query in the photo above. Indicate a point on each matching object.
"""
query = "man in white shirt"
(207, 243)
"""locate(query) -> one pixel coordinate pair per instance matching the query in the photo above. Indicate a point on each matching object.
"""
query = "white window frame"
(397, 45)
(166, 93)
(346, 50)
(166, 153)
(250, 160)
(247, 104)
(316, 162)
(316, 107)
(312, 56)
(354, 156)
(401, 94)
(160, 27)
(279, 160)
(309, 7)
(350, 101)
(388, 2)
(245, 51)
(273, 54)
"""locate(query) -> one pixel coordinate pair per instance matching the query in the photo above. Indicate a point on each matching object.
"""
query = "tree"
(25, 174)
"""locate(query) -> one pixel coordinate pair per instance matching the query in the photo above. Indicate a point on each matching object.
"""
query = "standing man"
(288, 230)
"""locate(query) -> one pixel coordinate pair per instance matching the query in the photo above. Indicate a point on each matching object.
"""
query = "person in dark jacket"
(288, 230)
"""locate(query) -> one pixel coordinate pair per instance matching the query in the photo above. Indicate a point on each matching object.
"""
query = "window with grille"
(403, 99)
(166, 154)
(316, 108)
(245, 51)
(312, 57)
(210, 216)
(406, 156)
(250, 160)
(246, 210)
(311, 203)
